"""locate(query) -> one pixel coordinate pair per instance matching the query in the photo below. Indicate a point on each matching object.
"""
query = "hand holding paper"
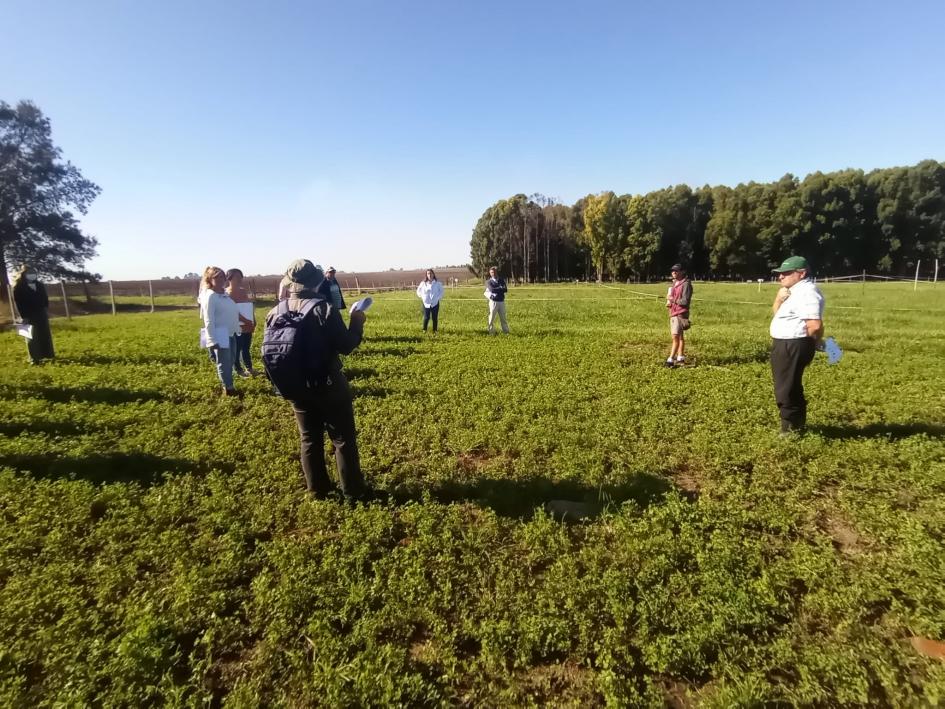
(362, 305)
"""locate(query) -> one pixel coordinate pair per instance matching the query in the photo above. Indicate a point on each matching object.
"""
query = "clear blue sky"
(371, 135)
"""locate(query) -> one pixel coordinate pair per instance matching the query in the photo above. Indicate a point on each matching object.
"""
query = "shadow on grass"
(52, 428)
(352, 373)
(893, 431)
(141, 468)
(93, 359)
(97, 395)
(736, 358)
(397, 339)
(519, 498)
(369, 390)
(370, 351)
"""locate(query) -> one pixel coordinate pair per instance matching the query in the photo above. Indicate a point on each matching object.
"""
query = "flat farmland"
(569, 523)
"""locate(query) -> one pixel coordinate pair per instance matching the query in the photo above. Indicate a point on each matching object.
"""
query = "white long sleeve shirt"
(430, 292)
(221, 318)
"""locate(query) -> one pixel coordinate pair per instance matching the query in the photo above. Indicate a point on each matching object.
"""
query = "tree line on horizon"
(846, 222)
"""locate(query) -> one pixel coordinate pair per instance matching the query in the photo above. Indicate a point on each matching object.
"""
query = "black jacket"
(327, 336)
(30, 303)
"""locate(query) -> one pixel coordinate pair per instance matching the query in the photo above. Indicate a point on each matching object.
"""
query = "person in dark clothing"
(495, 292)
(328, 405)
(32, 303)
(330, 290)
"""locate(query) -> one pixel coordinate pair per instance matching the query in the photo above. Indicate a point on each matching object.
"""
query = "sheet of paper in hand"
(362, 304)
(24, 330)
(834, 353)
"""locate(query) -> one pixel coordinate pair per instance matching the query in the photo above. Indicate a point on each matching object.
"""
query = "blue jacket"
(496, 288)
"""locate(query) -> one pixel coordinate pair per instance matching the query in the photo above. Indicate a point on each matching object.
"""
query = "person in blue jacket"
(495, 292)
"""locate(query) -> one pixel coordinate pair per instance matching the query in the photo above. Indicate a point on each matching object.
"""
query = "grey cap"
(303, 274)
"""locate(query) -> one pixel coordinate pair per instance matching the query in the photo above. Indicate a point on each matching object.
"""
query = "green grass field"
(157, 546)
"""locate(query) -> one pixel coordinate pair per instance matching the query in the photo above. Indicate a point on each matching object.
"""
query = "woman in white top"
(430, 292)
(221, 321)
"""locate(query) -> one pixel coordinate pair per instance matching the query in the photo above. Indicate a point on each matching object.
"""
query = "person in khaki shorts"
(677, 300)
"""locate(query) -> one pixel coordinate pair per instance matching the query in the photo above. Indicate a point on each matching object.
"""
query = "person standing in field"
(32, 303)
(330, 290)
(242, 357)
(221, 320)
(430, 292)
(797, 329)
(304, 337)
(495, 292)
(677, 300)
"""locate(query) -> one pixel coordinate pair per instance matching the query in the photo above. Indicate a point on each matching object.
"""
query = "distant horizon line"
(191, 276)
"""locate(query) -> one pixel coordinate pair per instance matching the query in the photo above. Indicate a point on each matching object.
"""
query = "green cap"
(303, 273)
(793, 263)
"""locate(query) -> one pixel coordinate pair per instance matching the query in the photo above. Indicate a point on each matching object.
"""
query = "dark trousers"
(329, 409)
(241, 355)
(428, 313)
(41, 346)
(789, 359)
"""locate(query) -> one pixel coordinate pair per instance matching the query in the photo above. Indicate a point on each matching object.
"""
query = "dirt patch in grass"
(688, 480)
(845, 538)
(564, 684)
(678, 695)
(478, 459)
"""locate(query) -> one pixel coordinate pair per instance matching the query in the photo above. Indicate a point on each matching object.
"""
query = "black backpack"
(294, 370)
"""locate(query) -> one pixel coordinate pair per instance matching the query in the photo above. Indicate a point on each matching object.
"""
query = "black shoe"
(329, 496)
(368, 495)
(791, 429)
(668, 364)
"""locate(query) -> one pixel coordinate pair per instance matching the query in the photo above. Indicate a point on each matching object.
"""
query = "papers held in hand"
(834, 353)
(362, 304)
(24, 330)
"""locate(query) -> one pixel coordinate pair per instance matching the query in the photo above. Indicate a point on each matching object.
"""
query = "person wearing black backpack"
(301, 346)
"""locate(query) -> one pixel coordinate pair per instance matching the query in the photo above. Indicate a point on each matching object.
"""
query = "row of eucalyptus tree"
(883, 221)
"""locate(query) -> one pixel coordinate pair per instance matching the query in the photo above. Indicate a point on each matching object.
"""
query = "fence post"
(864, 281)
(65, 300)
(935, 278)
(357, 285)
(111, 293)
(151, 294)
(915, 285)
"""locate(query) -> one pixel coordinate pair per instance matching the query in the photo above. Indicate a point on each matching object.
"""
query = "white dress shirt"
(805, 303)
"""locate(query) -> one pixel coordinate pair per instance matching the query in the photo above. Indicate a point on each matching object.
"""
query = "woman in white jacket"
(221, 321)
(430, 291)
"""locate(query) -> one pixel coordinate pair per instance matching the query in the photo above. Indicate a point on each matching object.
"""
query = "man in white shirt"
(797, 329)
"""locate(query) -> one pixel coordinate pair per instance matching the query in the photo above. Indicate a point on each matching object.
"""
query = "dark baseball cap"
(793, 263)
(677, 267)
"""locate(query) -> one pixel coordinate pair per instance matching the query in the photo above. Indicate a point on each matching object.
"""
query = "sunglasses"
(785, 273)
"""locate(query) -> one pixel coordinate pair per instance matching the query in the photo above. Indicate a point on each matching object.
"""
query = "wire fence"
(70, 299)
